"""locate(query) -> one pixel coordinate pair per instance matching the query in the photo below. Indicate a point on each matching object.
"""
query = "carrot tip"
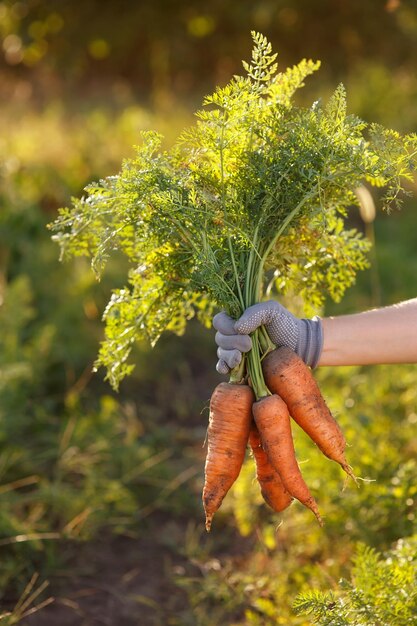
(347, 468)
(208, 522)
(318, 516)
(312, 505)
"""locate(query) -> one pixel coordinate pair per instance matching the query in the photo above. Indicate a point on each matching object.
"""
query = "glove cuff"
(310, 341)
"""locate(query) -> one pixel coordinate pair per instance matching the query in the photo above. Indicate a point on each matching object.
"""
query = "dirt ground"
(130, 581)
(119, 581)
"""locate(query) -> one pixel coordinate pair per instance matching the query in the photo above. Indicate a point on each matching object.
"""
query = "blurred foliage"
(75, 459)
(382, 590)
(168, 50)
(59, 429)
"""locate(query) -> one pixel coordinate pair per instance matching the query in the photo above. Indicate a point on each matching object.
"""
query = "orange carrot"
(288, 376)
(228, 433)
(272, 489)
(273, 422)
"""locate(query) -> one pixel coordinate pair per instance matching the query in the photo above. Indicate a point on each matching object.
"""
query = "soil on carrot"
(122, 581)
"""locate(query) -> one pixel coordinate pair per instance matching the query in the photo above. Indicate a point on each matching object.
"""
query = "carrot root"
(227, 436)
(273, 422)
(272, 488)
(288, 376)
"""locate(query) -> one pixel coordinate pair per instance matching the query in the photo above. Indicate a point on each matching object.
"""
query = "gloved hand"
(304, 336)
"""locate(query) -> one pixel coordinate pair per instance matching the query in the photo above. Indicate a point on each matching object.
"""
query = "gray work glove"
(304, 336)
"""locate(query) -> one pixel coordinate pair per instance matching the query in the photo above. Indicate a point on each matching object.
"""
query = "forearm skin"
(385, 335)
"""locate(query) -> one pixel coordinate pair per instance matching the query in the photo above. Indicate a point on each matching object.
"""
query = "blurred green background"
(100, 493)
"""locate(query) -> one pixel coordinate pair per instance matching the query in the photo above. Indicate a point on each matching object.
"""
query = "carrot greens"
(253, 194)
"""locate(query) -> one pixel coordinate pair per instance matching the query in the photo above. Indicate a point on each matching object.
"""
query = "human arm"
(303, 336)
(384, 335)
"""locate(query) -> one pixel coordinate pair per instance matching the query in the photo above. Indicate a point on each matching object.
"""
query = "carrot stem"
(255, 369)
(237, 375)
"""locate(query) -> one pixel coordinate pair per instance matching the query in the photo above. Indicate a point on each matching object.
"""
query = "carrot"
(288, 376)
(228, 433)
(273, 422)
(272, 489)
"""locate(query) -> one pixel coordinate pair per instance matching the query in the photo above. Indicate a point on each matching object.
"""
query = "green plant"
(26, 606)
(257, 186)
(382, 590)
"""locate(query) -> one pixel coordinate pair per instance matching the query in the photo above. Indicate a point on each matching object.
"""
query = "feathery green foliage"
(382, 591)
(258, 187)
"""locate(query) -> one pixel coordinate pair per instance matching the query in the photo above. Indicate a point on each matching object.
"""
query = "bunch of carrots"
(237, 418)
(250, 198)
(308, 166)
